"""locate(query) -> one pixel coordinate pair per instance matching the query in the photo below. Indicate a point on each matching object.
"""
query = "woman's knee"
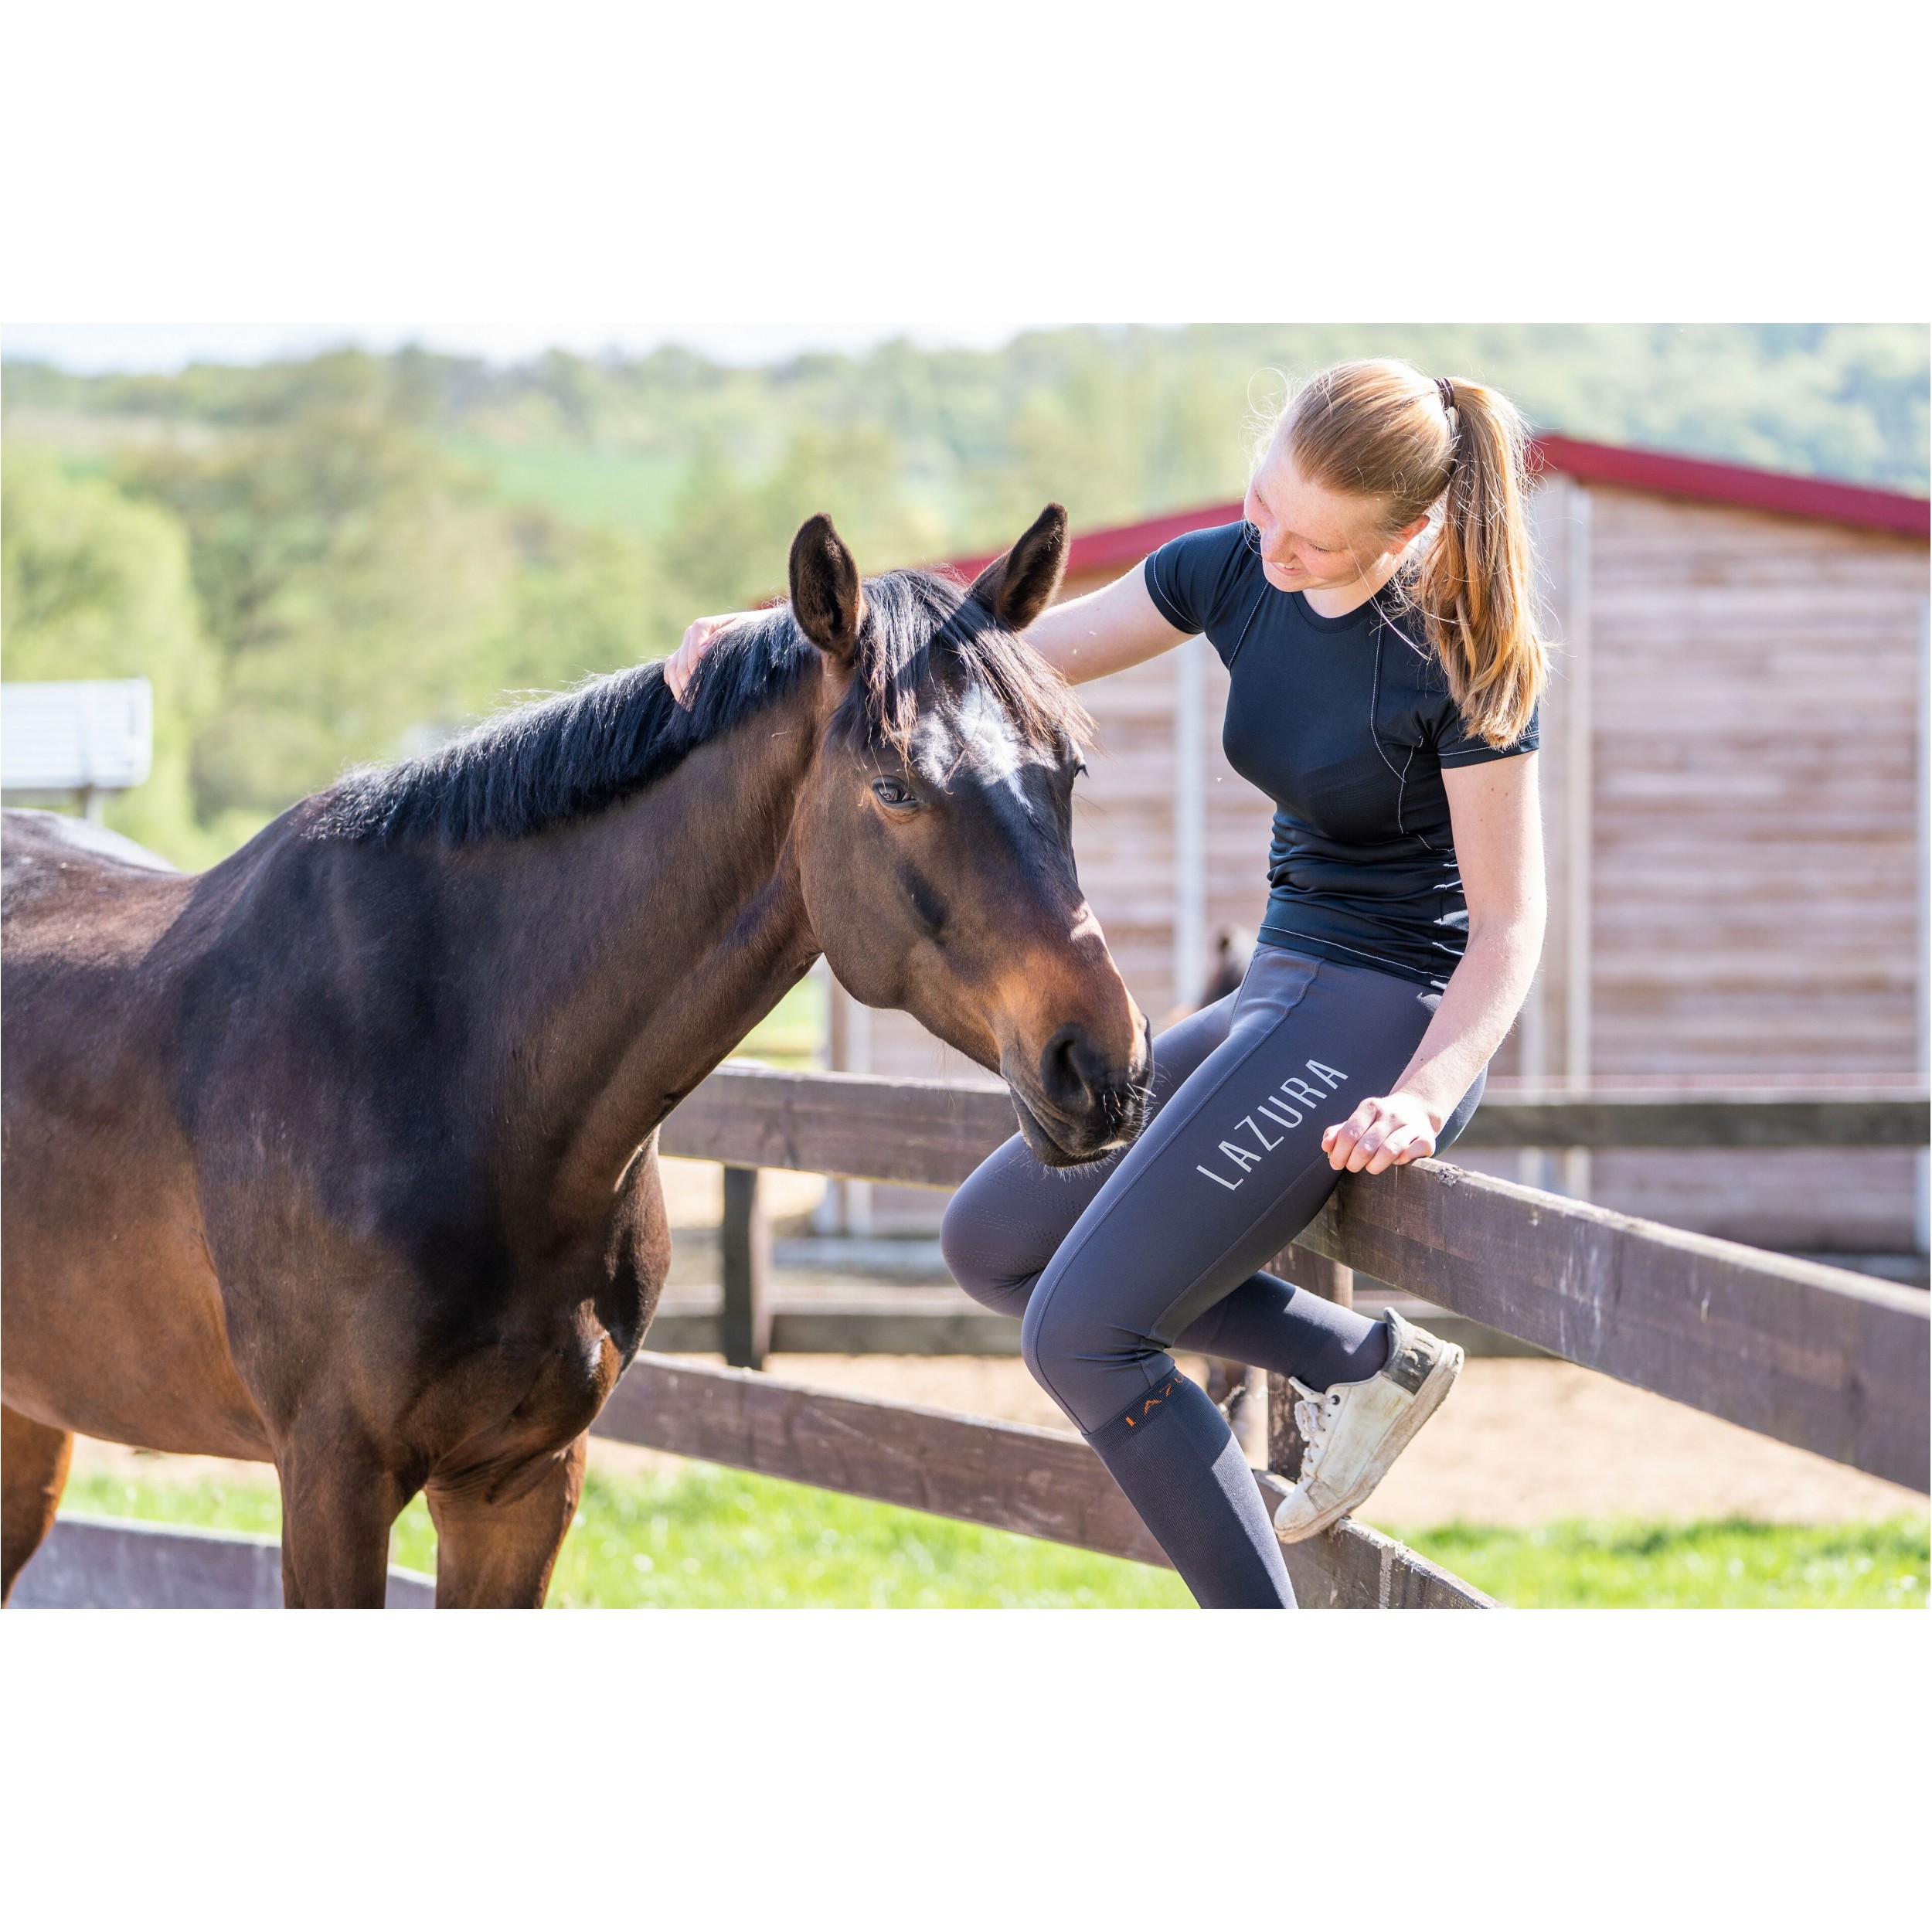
(979, 1253)
(1065, 1339)
(1041, 1342)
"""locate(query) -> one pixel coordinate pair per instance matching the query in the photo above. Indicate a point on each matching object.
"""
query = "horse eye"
(889, 791)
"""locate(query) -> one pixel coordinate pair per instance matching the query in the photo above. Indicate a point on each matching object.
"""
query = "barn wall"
(1756, 703)
(1755, 699)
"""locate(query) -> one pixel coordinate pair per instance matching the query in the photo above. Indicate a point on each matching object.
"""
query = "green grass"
(702, 1537)
(719, 1537)
(251, 1504)
(1733, 1564)
(706, 1537)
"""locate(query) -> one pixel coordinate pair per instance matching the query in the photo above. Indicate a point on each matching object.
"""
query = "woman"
(1384, 681)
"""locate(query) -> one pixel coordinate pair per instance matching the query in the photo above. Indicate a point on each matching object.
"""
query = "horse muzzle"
(1078, 1103)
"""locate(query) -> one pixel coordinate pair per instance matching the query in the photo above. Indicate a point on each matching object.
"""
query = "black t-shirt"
(1345, 723)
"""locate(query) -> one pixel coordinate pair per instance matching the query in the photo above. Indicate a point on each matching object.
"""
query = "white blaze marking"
(977, 732)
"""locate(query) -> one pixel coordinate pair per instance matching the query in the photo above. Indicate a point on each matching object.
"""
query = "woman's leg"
(1270, 1323)
(1227, 1172)
(1003, 1225)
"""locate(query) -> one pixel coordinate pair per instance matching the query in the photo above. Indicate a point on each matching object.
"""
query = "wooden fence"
(1042, 1482)
(1826, 1360)
(1816, 1356)
(748, 1321)
(1831, 1361)
(112, 1562)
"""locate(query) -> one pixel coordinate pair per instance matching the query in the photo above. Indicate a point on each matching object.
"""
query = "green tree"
(353, 576)
(93, 586)
(730, 534)
(580, 602)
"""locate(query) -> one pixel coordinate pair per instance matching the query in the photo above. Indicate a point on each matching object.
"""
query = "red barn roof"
(1813, 497)
(1690, 477)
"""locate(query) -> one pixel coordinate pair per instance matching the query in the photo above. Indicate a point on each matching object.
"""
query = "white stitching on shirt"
(1375, 738)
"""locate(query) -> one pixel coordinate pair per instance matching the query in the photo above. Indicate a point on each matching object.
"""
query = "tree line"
(346, 558)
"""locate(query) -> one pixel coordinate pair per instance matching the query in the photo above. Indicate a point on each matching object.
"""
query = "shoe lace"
(1313, 1414)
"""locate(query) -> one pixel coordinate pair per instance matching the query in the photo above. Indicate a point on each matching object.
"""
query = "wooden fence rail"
(111, 1563)
(1042, 1482)
(1819, 1357)
(1880, 1118)
(936, 1133)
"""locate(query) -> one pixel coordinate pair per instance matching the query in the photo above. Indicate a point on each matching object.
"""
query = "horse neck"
(641, 945)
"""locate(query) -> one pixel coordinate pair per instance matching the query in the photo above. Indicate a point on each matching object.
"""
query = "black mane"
(566, 757)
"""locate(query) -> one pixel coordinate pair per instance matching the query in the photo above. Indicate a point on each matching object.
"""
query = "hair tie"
(1446, 389)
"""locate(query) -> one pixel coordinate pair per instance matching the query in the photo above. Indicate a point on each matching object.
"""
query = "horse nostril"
(1090, 1091)
(1068, 1069)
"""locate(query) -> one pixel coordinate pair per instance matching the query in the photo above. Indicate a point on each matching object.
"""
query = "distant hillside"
(1119, 422)
(347, 557)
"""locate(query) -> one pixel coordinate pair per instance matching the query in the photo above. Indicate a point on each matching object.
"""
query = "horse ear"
(1018, 586)
(826, 597)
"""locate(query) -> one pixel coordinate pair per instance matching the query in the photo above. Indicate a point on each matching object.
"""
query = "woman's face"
(1313, 538)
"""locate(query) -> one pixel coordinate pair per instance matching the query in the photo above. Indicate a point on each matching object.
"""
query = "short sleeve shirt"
(1347, 724)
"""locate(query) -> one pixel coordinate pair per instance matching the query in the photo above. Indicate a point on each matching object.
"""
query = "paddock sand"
(1518, 1443)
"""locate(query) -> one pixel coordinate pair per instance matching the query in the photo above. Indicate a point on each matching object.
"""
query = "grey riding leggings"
(1161, 1247)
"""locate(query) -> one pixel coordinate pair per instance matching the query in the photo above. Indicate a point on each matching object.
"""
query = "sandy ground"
(1518, 1443)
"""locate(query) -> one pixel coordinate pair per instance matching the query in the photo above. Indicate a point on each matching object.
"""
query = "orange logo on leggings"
(1283, 1113)
(1149, 1403)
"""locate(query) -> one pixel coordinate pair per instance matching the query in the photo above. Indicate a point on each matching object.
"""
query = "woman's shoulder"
(1412, 659)
(1417, 682)
(1194, 579)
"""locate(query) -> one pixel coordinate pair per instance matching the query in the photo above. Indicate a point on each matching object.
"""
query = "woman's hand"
(682, 665)
(1381, 1134)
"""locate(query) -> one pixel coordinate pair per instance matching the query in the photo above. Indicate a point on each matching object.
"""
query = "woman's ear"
(1018, 586)
(826, 599)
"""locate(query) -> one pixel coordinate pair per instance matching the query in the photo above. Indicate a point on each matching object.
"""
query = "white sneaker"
(1354, 1430)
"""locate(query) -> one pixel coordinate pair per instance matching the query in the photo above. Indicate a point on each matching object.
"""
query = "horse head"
(935, 833)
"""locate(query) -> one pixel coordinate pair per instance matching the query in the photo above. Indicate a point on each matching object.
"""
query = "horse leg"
(497, 1532)
(338, 1503)
(33, 1472)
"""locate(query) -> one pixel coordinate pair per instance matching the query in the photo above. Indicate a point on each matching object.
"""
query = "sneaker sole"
(1429, 1398)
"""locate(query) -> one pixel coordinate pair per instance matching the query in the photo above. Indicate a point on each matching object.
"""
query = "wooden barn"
(1734, 804)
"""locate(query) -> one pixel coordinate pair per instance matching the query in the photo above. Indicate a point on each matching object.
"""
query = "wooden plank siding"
(1756, 711)
(1752, 894)
(1754, 901)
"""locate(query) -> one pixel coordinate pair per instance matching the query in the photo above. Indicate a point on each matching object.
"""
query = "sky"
(89, 348)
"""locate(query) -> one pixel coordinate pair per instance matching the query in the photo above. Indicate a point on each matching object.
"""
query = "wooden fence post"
(745, 1254)
(1333, 1282)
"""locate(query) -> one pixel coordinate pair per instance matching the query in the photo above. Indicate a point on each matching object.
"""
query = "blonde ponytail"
(1383, 429)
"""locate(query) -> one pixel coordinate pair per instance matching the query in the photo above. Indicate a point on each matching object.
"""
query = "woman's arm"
(1499, 834)
(1106, 630)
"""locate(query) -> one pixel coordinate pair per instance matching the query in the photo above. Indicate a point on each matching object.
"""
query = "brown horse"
(342, 1155)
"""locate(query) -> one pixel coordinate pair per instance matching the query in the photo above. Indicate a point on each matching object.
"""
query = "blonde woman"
(1373, 608)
